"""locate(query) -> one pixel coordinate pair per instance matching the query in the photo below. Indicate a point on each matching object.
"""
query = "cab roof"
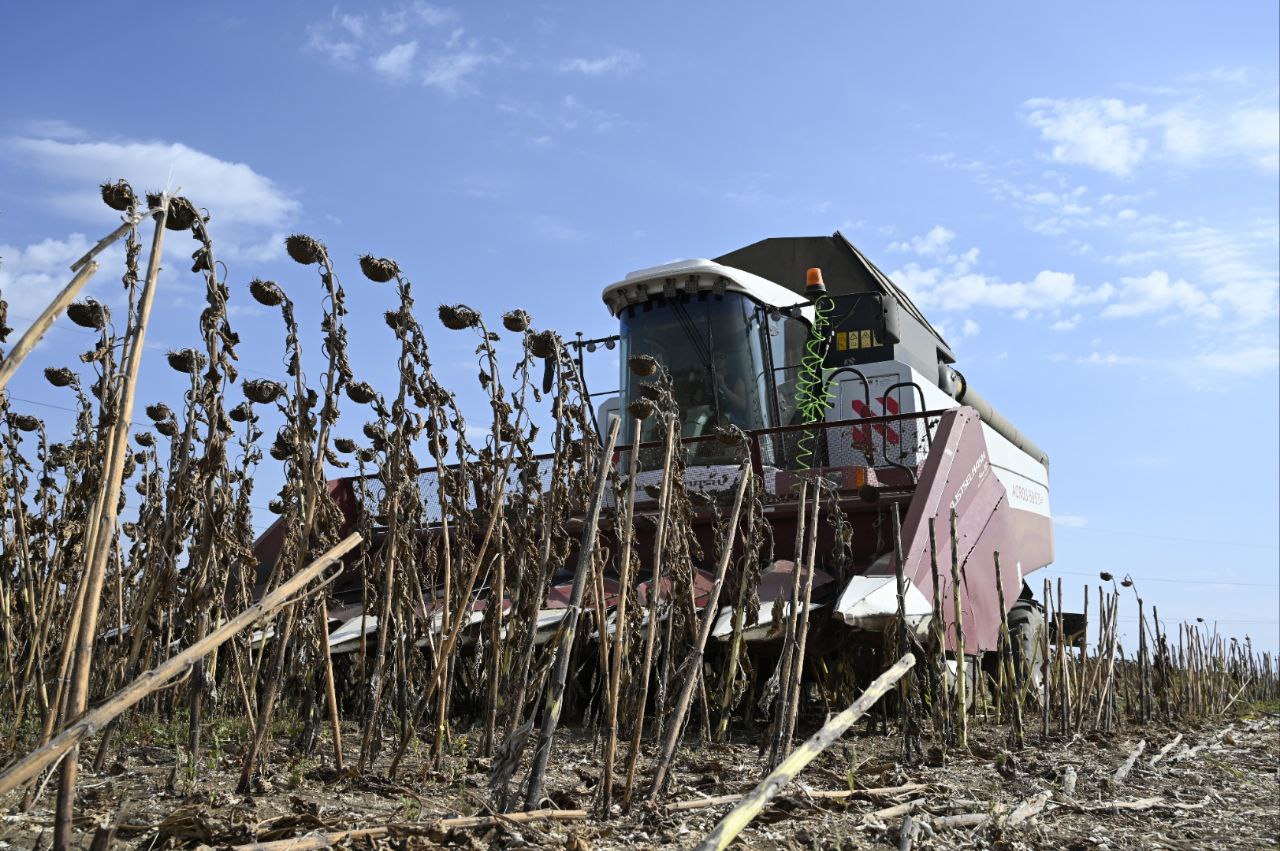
(696, 276)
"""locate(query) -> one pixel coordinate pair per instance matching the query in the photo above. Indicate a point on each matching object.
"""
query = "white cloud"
(397, 20)
(1072, 521)
(238, 195)
(325, 39)
(1237, 269)
(1206, 370)
(450, 72)
(932, 244)
(1109, 359)
(1249, 360)
(947, 290)
(437, 53)
(551, 228)
(1231, 76)
(1066, 324)
(353, 24)
(1186, 137)
(51, 128)
(618, 62)
(1155, 293)
(970, 328)
(396, 62)
(30, 276)
(1097, 132)
(1113, 136)
(1256, 132)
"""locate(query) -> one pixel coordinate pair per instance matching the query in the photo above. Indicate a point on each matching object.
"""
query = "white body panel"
(1026, 480)
(871, 603)
(762, 628)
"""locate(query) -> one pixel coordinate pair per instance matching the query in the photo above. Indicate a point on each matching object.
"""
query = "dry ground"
(1219, 787)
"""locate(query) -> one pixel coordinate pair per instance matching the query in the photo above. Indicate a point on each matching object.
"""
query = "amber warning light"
(813, 283)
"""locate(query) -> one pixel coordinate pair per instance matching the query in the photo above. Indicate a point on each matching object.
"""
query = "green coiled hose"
(813, 393)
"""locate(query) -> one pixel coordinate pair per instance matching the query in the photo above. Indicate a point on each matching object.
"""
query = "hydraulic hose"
(813, 393)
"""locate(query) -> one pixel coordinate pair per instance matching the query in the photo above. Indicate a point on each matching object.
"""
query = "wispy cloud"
(410, 43)
(554, 229)
(396, 63)
(51, 128)
(1115, 137)
(1208, 369)
(619, 62)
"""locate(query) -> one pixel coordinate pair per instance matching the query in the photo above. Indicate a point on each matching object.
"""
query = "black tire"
(1026, 634)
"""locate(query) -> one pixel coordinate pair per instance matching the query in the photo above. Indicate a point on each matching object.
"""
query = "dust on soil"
(1218, 788)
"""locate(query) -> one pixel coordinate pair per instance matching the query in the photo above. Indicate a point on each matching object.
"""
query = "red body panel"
(958, 476)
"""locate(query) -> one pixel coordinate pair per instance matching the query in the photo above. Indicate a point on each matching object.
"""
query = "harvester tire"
(1026, 628)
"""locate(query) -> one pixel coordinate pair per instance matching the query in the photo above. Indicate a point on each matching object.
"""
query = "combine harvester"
(885, 416)
(831, 371)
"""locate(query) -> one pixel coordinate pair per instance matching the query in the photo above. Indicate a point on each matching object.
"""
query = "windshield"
(712, 346)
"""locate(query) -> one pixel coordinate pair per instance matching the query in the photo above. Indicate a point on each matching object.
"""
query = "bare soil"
(1219, 787)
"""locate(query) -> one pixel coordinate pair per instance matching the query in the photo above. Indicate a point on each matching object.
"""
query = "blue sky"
(1085, 198)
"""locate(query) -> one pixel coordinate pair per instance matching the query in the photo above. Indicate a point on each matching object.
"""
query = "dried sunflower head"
(378, 269)
(187, 361)
(200, 259)
(159, 411)
(345, 445)
(303, 249)
(182, 214)
(89, 313)
(275, 506)
(118, 195)
(642, 365)
(361, 392)
(1105, 576)
(145, 438)
(367, 456)
(59, 455)
(59, 376)
(283, 447)
(641, 409)
(730, 436)
(516, 320)
(396, 320)
(266, 293)
(24, 422)
(457, 317)
(543, 344)
(240, 413)
(264, 391)
(168, 428)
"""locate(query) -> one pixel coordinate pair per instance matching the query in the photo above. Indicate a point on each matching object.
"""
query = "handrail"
(708, 438)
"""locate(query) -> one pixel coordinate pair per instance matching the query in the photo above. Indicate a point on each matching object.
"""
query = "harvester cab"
(835, 375)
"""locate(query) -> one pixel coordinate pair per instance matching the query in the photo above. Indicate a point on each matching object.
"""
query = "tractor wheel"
(1026, 634)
